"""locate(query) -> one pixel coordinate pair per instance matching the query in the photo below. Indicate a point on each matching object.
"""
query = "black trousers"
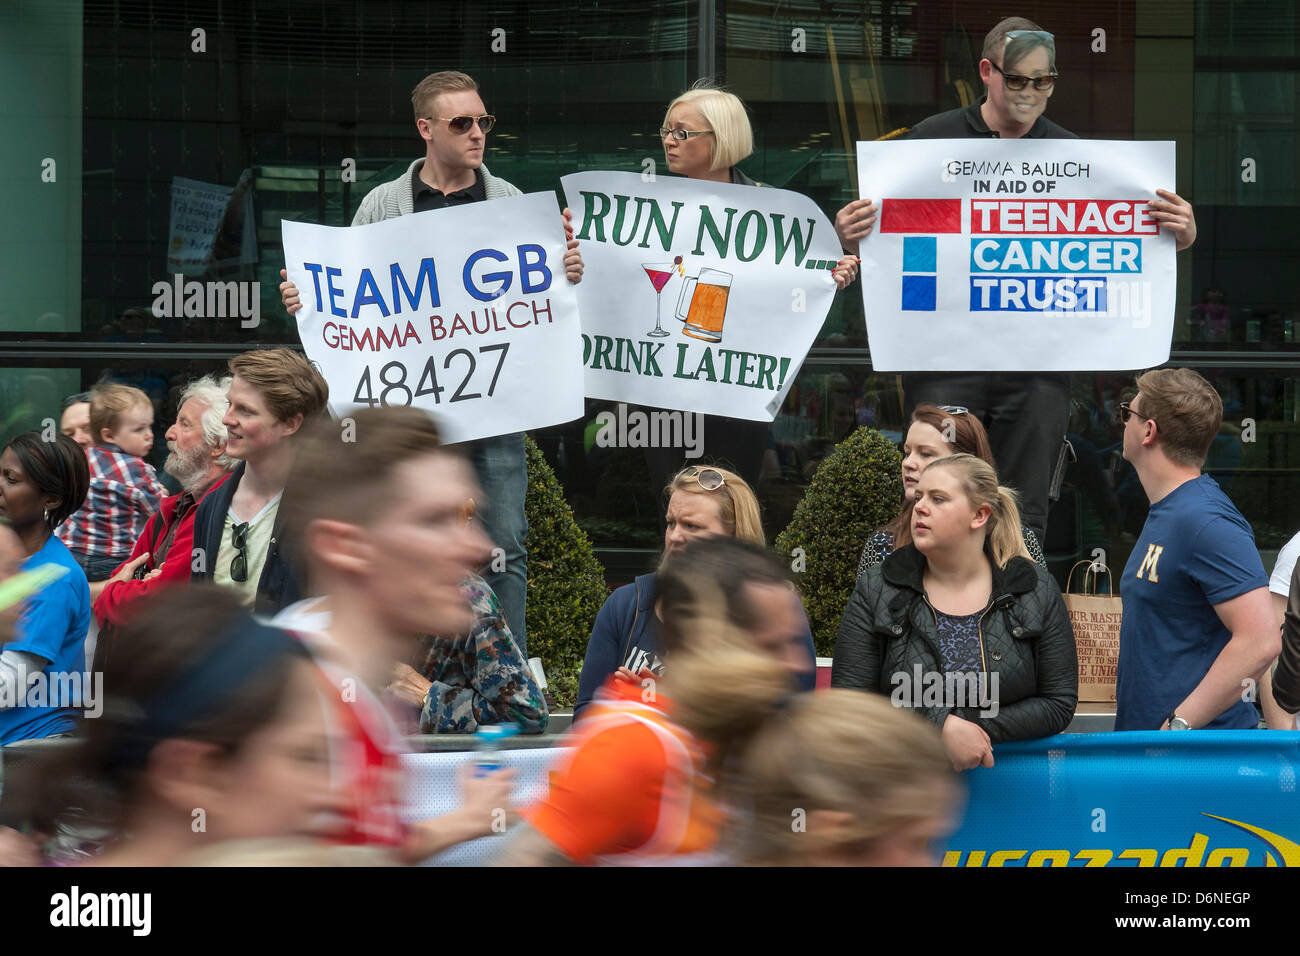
(1025, 414)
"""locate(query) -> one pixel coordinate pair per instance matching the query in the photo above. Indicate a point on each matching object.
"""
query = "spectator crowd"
(267, 634)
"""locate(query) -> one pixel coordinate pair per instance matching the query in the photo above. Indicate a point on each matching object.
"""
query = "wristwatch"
(1177, 723)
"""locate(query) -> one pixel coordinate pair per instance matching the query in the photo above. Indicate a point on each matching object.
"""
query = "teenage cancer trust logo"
(908, 217)
(1025, 255)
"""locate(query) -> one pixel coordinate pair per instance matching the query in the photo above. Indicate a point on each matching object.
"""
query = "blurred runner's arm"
(484, 801)
(527, 847)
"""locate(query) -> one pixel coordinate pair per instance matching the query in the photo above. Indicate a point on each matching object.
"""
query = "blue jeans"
(96, 567)
(503, 475)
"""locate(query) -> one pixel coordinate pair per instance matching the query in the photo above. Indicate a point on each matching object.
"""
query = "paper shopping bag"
(1095, 618)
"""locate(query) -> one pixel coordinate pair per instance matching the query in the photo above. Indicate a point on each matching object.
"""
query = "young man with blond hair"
(453, 122)
(1198, 631)
(237, 538)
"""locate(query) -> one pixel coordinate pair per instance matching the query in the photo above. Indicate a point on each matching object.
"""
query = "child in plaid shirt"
(124, 488)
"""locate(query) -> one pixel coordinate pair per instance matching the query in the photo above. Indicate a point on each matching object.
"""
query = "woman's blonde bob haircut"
(733, 138)
(737, 505)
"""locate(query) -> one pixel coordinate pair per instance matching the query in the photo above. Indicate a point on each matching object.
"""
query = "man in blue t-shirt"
(1198, 630)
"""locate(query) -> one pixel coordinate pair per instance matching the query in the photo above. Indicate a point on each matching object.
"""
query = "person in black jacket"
(960, 624)
(238, 540)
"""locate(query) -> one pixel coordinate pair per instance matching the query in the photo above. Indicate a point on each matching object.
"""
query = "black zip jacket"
(1025, 639)
(278, 586)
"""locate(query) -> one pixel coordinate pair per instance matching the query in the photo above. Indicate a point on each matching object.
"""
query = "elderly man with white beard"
(161, 557)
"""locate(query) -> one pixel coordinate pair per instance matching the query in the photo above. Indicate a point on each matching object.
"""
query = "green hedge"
(566, 584)
(856, 490)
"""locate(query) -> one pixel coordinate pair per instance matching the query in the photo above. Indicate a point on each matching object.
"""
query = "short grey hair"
(211, 392)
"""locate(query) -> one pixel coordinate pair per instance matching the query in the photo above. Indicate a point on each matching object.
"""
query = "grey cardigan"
(392, 199)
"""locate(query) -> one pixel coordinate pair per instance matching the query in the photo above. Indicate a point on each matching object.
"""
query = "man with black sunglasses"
(453, 122)
(1025, 413)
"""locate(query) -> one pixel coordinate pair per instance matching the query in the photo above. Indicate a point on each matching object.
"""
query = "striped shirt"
(124, 493)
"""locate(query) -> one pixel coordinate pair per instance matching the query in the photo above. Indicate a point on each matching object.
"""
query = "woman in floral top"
(476, 678)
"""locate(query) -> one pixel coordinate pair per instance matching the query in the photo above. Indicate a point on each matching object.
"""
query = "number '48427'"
(393, 378)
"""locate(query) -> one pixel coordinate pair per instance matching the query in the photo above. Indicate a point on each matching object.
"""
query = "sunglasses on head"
(239, 564)
(954, 409)
(710, 479)
(1014, 81)
(462, 124)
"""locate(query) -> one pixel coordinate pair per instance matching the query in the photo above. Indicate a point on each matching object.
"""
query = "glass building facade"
(130, 121)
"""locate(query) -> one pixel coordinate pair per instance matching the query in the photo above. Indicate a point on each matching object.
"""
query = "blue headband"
(244, 648)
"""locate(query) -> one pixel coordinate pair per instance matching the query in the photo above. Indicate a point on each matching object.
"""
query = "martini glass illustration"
(658, 273)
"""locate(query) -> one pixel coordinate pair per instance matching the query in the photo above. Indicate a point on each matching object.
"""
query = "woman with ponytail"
(960, 624)
(638, 784)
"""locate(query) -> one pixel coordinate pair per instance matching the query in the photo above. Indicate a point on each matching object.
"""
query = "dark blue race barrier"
(1186, 798)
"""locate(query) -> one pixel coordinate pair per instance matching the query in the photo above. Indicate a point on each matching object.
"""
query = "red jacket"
(113, 604)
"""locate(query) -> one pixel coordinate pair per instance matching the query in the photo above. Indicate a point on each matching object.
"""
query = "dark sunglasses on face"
(239, 564)
(462, 124)
(1124, 410)
(1016, 82)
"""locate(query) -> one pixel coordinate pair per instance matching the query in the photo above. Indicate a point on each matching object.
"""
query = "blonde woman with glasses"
(703, 502)
(705, 134)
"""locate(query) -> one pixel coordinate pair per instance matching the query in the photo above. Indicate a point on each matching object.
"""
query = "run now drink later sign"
(1015, 255)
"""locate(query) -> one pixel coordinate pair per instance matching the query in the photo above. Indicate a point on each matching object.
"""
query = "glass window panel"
(288, 90)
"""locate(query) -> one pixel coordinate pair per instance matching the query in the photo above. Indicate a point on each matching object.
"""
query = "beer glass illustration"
(707, 295)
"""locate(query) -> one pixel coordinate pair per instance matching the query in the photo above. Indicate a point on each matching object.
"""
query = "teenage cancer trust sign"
(463, 311)
(1017, 255)
(698, 296)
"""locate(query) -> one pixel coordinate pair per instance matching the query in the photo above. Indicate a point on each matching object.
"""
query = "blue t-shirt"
(1196, 550)
(53, 625)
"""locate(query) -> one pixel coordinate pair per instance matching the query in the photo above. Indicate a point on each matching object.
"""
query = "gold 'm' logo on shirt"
(1150, 561)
